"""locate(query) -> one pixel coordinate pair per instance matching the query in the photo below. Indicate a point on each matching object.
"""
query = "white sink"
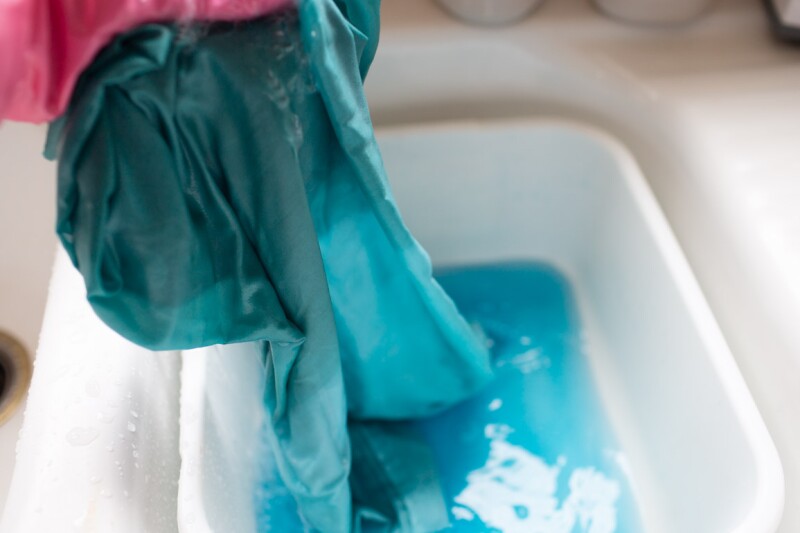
(699, 455)
(27, 219)
(699, 452)
(101, 443)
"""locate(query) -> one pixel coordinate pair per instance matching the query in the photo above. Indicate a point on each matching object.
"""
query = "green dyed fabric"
(222, 184)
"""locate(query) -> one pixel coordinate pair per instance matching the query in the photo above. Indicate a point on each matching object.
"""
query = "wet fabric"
(394, 480)
(228, 188)
(48, 43)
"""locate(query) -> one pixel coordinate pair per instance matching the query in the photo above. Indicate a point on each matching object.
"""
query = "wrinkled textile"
(394, 480)
(46, 44)
(230, 189)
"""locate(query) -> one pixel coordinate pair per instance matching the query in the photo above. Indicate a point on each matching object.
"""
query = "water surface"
(533, 452)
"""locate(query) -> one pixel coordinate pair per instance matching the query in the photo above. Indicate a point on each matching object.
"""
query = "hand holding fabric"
(46, 44)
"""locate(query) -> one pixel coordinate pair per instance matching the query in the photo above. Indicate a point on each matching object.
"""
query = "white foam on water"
(516, 492)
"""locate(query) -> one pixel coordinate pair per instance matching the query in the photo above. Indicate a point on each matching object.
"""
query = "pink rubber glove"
(46, 44)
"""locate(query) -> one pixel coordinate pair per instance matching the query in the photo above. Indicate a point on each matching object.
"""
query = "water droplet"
(497, 431)
(81, 436)
(521, 511)
(134, 414)
(529, 361)
(131, 427)
(93, 388)
(495, 404)
(525, 340)
(105, 418)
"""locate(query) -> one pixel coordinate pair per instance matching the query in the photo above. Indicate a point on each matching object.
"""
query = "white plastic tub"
(700, 457)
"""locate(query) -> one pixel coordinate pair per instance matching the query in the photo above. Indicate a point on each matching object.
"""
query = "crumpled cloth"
(46, 44)
(228, 188)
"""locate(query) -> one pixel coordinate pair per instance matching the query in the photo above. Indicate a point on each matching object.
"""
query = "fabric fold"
(394, 480)
(228, 188)
(393, 319)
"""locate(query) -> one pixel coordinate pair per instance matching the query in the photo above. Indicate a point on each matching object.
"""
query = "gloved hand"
(46, 44)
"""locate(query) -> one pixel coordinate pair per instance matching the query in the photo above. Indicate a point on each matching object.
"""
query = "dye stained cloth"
(227, 187)
(47, 43)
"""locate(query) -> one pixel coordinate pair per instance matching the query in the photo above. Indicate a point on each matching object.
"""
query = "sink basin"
(699, 456)
(481, 175)
(696, 451)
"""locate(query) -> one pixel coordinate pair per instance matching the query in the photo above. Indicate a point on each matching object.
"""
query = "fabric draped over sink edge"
(228, 188)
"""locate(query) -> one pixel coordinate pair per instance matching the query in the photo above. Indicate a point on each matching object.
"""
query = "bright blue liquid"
(513, 455)
(543, 399)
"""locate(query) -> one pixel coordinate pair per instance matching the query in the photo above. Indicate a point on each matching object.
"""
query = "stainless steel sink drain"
(15, 375)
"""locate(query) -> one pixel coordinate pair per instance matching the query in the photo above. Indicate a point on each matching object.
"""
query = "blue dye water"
(533, 452)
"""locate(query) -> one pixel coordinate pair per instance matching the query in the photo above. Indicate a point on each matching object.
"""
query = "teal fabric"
(393, 318)
(223, 184)
(394, 482)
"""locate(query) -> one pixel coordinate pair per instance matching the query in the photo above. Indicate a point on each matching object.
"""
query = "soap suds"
(515, 492)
